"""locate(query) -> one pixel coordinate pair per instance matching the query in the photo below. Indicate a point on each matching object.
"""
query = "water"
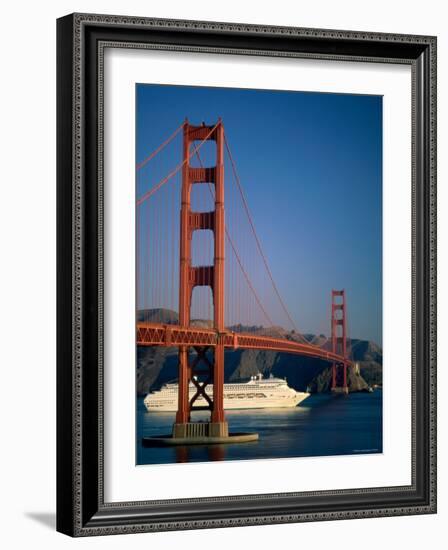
(322, 425)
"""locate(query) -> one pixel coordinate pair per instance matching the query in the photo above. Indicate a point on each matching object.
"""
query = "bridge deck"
(153, 334)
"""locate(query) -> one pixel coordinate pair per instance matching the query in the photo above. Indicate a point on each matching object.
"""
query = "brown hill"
(156, 366)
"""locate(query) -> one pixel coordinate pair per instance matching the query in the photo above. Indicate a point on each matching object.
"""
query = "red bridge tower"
(208, 364)
(339, 340)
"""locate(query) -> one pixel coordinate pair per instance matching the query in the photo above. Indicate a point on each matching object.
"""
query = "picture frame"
(81, 507)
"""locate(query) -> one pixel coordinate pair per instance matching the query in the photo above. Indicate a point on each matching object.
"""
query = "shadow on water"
(214, 453)
(323, 425)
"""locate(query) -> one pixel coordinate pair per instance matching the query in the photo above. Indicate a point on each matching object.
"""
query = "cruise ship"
(257, 393)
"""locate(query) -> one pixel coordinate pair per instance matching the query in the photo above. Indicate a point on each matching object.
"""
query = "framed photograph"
(246, 274)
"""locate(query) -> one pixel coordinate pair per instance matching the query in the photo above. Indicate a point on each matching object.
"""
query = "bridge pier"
(339, 383)
(193, 430)
(202, 371)
(341, 391)
(339, 341)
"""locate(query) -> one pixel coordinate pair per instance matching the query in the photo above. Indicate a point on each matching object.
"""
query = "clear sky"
(311, 168)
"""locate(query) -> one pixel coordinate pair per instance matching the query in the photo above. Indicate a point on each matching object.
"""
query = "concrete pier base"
(201, 429)
(169, 441)
(199, 433)
(343, 390)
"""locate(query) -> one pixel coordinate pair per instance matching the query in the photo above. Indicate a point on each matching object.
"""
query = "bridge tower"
(339, 340)
(208, 364)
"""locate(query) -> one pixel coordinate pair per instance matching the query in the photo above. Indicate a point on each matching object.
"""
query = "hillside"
(156, 366)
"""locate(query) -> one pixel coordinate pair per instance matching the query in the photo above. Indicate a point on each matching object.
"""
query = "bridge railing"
(153, 334)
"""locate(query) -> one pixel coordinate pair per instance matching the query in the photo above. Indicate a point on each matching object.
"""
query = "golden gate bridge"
(209, 266)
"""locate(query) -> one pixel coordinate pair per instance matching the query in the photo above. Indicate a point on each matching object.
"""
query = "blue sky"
(311, 168)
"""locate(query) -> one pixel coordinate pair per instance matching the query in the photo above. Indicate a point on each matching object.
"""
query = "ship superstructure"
(256, 393)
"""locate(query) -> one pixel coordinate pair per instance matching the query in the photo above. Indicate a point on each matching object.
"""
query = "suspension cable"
(237, 256)
(237, 179)
(176, 170)
(159, 148)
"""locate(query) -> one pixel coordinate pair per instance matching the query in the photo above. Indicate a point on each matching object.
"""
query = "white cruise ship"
(257, 393)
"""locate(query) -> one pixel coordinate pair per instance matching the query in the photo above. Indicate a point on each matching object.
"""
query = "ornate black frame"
(81, 39)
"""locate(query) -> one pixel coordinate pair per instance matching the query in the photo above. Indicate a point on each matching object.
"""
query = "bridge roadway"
(153, 334)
